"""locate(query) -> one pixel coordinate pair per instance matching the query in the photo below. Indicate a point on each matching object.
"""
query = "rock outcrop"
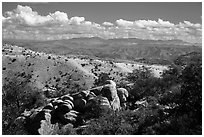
(72, 109)
(123, 95)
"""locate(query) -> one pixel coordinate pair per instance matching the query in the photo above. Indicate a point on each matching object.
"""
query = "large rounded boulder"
(110, 92)
(123, 95)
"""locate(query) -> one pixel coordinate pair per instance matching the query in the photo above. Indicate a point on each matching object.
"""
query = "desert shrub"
(17, 96)
(191, 89)
(111, 123)
(186, 115)
(126, 122)
(171, 76)
(190, 101)
(177, 125)
(145, 84)
(101, 79)
(67, 130)
(179, 95)
(141, 73)
(69, 86)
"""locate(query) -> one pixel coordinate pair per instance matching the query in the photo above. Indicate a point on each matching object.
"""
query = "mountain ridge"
(155, 52)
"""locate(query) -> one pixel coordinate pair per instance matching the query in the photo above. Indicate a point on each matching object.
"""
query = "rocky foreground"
(73, 109)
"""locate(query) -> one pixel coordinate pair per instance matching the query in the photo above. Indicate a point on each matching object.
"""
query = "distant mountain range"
(147, 51)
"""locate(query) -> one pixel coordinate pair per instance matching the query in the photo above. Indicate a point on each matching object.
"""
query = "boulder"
(64, 108)
(115, 104)
(123, 95)
(96, 90)
(110, 92)
(79, 104)
(104, 102)
(33, 123)
(71, 116)
(85, 93)
(57, 102)
(67, 97)
(49, 106)
(46, 128)
(111, 82)
(69, 102)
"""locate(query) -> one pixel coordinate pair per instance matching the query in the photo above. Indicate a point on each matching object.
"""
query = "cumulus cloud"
(87, 22)
(25, 15)
(165, 23)
(77, 20)
(24, 23)
(124, 23)
(59, 16)
(153, 23)
(145, 23)
(97, 25)
(189, 24)
(108, 24)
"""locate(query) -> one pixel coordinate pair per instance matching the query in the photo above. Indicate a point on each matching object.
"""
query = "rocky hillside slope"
(60, 71)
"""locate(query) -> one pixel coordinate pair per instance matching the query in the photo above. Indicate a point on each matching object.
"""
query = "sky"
(149, 20)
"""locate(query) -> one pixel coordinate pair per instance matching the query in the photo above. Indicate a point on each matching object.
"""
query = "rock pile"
(72, 109)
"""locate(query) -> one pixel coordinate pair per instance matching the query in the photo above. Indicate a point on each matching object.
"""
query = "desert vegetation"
(170, 104)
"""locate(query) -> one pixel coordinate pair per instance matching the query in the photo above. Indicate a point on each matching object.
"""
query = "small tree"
(145, 84)
(17, 96)
(191, 91)
(101, 79)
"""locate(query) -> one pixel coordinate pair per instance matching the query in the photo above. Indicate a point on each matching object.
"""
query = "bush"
(101, 79)
(145, 84)
(67, 130)
(111, 123)
(17, 96)
(178, 93)
(186, 116)
(126, 122)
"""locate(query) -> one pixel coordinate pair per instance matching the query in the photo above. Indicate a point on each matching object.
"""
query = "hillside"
(50, 93)
(62, 71)
(153, 103)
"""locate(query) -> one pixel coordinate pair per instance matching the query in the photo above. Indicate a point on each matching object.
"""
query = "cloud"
(25, 15)
(87, 22)
(77, 20)
(145, 23)
(124, 23)
(59, 16)
(24, 23)
(165, 23)
(153, 23)
(108, 24)
(97, 25)
(189, 24)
